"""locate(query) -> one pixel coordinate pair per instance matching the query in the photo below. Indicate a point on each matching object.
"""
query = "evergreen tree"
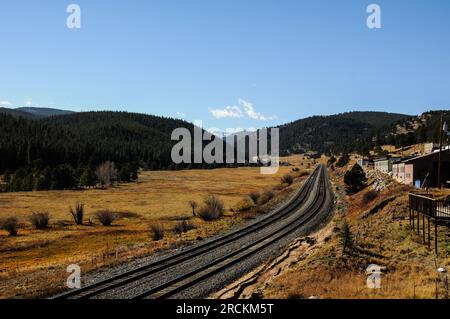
(88, 178)
(355, 179)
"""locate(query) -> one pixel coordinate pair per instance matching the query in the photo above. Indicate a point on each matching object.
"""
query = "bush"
(287, 179)
(369, 196)
(296, 169)
(106, 217)
(157, 231)
(183, 227)
(78, 213)
(355, 179)
(266, 197)
(11, 225)
(212, 209)
(245, 204)
(40, 220)
(254, 196)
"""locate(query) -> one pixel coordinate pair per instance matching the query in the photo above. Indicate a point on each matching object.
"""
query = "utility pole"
(441, 129)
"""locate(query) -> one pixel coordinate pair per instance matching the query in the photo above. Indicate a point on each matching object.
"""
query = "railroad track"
(189, 278)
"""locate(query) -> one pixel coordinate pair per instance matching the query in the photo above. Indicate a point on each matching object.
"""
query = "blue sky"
(268, 61)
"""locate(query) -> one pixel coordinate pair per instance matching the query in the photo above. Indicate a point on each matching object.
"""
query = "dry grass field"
(33, 263)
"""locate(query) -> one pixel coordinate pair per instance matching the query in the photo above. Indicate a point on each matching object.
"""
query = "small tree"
(355, 179)
(125, 174)
(11, 225)
(106, 173)
(88, 178)
(343, 160)
(193, 205)
(77, 213)
(345, 237)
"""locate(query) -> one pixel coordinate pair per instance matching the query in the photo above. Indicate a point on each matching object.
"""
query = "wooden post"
(429, 231)
(413, 221)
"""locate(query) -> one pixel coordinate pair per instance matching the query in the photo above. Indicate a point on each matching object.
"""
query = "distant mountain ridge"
(44, 111)
(34, 112)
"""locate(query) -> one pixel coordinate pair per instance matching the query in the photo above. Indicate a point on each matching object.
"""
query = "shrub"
(369, 196)
(245, 204)
(212, 209)
(106, 217)
(40, 220)
(287, 179)
(11, 225)
(266, 197)
(78, 213)
(157, 231)
(183, 227)
(296, 169)
(255, 196)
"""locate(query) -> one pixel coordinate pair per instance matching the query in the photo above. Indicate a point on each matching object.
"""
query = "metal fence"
(442, 209)
(422, 211)
(437, 209)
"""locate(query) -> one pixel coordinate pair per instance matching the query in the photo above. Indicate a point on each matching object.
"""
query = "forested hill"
(60, 149)
(337, 133)
(90, 138)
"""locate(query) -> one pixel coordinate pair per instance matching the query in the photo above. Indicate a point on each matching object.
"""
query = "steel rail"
(185, 281)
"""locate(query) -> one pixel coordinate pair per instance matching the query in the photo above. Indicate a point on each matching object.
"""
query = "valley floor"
(33, 264)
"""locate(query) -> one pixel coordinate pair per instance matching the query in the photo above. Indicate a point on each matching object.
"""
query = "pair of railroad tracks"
(191, 277)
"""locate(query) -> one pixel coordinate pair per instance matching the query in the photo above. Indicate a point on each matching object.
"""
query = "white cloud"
(237, 111)
(28, 103)
(228, 111)
(250, 111)
(5, 103)
(181, 114)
